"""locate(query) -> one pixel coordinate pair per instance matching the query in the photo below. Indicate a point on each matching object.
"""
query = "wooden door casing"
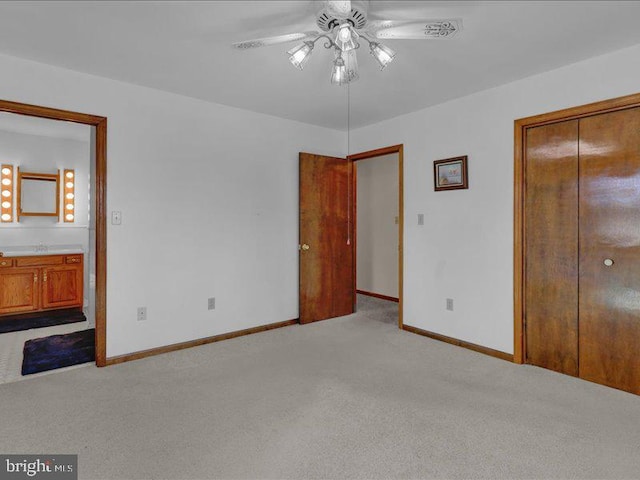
(326, 266)
(610, 229)
(19, 290)
(551, 247)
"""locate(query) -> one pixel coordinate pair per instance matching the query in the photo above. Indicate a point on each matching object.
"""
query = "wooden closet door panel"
(551, 247)
(610, 229)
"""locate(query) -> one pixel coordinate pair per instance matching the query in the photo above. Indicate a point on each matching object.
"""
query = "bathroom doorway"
(65, 251)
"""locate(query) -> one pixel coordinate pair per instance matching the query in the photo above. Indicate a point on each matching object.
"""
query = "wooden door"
(19, 290)
(610, 232)
(62, 286)
(551, 247)
(326, 243)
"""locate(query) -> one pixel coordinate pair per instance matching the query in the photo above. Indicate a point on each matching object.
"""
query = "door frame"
(399, 149)
(519, 190)
(100, 132)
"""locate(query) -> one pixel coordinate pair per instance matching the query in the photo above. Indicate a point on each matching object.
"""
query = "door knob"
(608, 262)
(305, 246)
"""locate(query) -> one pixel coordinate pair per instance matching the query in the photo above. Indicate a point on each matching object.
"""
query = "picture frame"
(450, 174)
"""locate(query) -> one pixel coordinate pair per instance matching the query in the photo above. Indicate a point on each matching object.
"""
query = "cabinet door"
(62, 286)
(19, 290)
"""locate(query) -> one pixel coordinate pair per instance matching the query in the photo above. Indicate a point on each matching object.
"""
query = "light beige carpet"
(352, 397)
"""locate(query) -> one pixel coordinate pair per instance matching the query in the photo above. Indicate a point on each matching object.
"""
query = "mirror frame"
(47, 177)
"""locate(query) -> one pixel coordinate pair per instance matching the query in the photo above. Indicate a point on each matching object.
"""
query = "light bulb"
(6, 171)
(70, 206)
(6, 217)
(299, 56)
(69, 185)
(69, 174)
(6, 193)
(6, 204)
(6, 181)
(69, 216)
(69, 196)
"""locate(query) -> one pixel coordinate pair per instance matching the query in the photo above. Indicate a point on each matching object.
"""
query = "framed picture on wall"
(450, 174)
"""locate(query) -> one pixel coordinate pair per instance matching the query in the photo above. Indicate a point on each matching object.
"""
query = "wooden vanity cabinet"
(43, 282)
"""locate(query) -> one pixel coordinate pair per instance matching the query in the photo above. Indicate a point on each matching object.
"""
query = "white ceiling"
(185, 47)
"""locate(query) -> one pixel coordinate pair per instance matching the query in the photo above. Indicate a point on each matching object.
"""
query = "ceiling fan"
(344, 24)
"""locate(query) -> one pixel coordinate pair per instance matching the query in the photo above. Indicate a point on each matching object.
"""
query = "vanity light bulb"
(69, 216)
(6, 217)
(69, 184)
(69, 196)
(6, 171)
(6, 204)
(70, 206)
(6, 193)
(6, 181)
(69, 174)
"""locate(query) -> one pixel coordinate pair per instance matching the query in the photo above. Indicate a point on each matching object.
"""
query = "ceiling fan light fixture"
(383, 54)
(346, 37)
(299, 55)
(339, 73)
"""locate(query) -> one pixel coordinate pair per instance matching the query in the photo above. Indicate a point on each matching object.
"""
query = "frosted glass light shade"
(69, 217)
(339, 74)
(346, 38)
(6, 217)
(299, 56)
(351, 64)
(383, 54)
(6, 181)
(6, 193)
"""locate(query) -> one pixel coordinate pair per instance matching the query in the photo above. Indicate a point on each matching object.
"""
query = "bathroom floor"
(12, 344)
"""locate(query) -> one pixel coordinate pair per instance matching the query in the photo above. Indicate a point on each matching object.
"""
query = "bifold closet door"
(551, 247)
(609, 299)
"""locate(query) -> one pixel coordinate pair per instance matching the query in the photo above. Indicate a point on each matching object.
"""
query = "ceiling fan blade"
(263, 42)
(339, 9)
(425, 29)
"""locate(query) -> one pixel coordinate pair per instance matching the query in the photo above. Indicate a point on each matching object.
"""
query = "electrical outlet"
(142, 313)
(421, 219)
(450, 304)
(211, 302)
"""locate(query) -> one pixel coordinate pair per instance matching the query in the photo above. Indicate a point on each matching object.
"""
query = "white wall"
(465, 249)
(377, 230)
(209, 201)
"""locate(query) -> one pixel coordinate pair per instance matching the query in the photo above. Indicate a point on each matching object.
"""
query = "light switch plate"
(421, 219)
(116, 218)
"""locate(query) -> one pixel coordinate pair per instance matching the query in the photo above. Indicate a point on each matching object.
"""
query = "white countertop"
(32, 250)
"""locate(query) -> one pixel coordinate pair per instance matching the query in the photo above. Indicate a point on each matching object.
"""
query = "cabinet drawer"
(41, 260)
(73, 259)
(6, 262)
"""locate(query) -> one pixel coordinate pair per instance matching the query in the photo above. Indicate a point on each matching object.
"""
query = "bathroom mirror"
(38, 194)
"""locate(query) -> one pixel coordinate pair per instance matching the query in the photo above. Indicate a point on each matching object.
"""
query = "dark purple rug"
(57, 351)
(27, 321)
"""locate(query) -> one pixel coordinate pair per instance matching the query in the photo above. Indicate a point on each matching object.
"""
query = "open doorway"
(378, 224)
(53, 229)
